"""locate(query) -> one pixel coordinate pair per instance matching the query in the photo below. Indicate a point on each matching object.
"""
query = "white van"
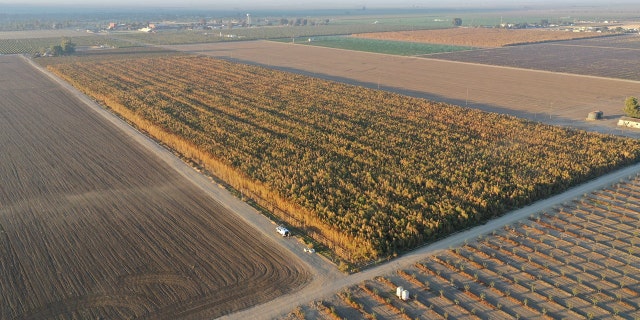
(283, 231)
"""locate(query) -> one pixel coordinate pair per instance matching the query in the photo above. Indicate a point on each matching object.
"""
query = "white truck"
(283, 231)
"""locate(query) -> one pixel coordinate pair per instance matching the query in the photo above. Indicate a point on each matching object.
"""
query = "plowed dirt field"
(610, 57)
(93, 225)
(477, 37)
(550, 97)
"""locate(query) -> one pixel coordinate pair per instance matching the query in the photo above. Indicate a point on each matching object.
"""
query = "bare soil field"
(93, 225)
(628, 41)
(554, 98)
(611, 57)
(478, 37)
(578, 260)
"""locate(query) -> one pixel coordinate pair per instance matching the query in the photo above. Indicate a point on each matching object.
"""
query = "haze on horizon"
(314, 4)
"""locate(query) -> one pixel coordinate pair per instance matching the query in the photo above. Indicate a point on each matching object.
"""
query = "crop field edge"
(91, 302)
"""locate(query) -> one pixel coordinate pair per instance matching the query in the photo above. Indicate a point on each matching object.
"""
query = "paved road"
(327, 280)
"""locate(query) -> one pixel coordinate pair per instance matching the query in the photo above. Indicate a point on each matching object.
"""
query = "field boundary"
(218, 192)
(271, 309)
(455, 237)
(554, 98)
(321, 269)
(429, 56)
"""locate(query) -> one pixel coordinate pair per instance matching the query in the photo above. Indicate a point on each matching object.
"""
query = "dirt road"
(538, 95)
(326, 280)
(554, 98)
(92, 225)
(282, 305)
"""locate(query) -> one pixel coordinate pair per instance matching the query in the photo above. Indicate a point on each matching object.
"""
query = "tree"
(68, 47)
(56, 50)
(65, 47)
(631, 107)
(457, 22)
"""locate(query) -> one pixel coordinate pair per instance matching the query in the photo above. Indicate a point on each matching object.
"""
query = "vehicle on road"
(283, 231)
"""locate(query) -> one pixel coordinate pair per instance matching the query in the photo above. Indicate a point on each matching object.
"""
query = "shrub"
(631, 107)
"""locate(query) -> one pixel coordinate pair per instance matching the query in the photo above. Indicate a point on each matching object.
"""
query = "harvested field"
(628, 41)
(576, 261)
(93, 225)
(611, 57)
(542, 96)
(478, 37)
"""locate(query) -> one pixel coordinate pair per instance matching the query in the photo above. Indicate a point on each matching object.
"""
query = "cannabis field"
(579, 260)
(369, 173)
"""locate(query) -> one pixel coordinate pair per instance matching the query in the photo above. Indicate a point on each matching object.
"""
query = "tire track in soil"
(96, 225)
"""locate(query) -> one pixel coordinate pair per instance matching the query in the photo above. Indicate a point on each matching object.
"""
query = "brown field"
(576, 261)
(611, 57)
(478, 37)
(553, 98)
(93, 225)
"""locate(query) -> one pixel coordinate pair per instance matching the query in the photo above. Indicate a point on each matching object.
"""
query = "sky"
(311, 4)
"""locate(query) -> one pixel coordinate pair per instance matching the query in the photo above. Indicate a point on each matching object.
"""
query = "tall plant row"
(369, 172)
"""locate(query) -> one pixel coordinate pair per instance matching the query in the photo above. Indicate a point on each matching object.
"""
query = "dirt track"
(122, 302)
(92, 224)
(549, 97)
(544, 96)
(279, 307)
